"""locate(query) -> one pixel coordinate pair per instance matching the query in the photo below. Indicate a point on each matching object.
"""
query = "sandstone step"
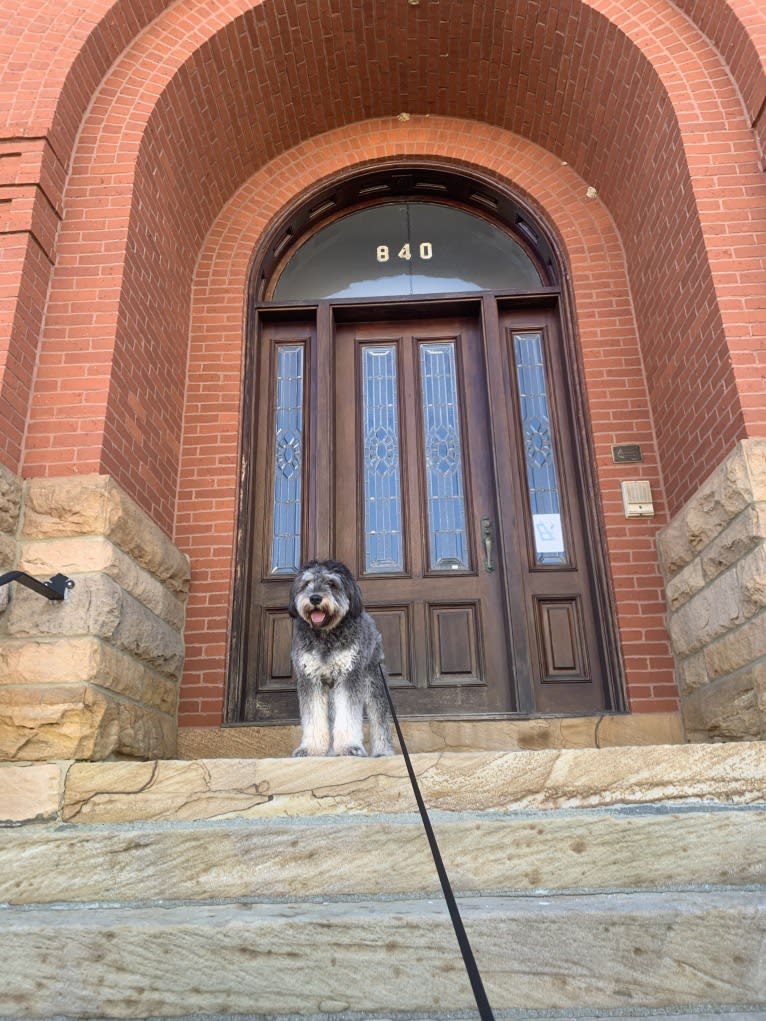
(584, 850)
(601, 952)
(726, 774)
(612, 882)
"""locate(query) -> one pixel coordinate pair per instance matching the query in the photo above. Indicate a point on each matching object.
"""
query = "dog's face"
(324, 593)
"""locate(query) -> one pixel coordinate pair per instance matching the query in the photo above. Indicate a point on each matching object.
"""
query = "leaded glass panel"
(445, 491)
(384, 548)
(288, 460)
(406, 248)
(539, 450)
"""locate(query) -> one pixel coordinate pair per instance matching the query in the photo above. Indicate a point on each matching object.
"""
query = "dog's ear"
(355, 598)
(292, 609)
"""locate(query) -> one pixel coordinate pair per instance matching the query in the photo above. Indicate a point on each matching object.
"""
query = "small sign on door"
(549, 536)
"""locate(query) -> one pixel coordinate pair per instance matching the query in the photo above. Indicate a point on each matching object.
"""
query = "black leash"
(479, 994)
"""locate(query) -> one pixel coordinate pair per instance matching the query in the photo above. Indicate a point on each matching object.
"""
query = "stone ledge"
(243, 742)
(727, 774)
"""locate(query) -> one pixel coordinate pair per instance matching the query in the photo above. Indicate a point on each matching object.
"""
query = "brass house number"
(424, 251)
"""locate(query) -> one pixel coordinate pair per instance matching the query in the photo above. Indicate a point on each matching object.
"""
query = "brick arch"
(610, 357)
(204, 97)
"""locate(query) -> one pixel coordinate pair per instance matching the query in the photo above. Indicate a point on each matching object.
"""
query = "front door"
(430, 447)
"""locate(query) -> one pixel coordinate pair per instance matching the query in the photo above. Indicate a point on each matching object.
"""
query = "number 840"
(425, 251)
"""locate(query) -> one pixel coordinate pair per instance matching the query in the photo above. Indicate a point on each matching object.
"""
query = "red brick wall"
(157, 124)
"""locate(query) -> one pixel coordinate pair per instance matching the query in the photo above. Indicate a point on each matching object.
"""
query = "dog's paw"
(388, 750)
(300, 752)
(352, 749)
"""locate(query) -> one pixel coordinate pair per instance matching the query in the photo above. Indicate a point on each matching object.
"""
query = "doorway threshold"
(436, 735)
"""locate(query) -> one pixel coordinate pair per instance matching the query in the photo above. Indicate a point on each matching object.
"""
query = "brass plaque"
(623, 453)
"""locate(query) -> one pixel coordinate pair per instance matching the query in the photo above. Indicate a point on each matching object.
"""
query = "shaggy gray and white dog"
(337, 655)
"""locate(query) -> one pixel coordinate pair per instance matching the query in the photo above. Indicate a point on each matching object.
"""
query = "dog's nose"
(315, 600)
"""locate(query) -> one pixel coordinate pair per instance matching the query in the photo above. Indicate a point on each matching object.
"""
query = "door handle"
(486, 538)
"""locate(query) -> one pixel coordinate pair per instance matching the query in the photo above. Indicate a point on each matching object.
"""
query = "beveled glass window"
(539, 450)
(406, 248)
(383, 542)
(445, 490)
(288, 460)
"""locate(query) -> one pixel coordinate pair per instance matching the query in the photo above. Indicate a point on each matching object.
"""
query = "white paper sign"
(549, 537)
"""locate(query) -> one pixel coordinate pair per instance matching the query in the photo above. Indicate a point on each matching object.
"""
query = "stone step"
(598, 953)
(528, 852)
(725, 774)
(625, 881)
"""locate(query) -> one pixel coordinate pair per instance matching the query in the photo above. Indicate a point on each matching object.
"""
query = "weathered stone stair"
(623, 882)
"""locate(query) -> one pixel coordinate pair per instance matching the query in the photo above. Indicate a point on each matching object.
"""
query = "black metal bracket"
(55, 588)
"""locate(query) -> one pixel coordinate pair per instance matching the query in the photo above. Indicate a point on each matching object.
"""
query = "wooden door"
(562, 644)
(437, 457)
(415, 509)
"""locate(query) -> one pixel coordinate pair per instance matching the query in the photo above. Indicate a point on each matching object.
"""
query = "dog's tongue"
(317, 616)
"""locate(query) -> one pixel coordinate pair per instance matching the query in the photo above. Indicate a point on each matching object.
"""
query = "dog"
(337, 655)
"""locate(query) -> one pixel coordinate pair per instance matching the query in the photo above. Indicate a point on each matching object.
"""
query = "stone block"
(79, 722)
(74, 722)
(737, 649)
(755, 456)
(10, 503)
(99, 607)
(751, 572)
(29, 792)
(375, 958)
(684, 585)
(711, 613)
(691, 672)
(95, 505)
(87, 555)
(349, 857)
(10, 500)
(86, 660)
(8, 548)
(728, 709)
(746, 532)
(720, 499)
(713, 556)
(673, 547)
(735, 485)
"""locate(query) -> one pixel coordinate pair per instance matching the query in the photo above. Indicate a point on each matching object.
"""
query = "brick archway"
(618, 402)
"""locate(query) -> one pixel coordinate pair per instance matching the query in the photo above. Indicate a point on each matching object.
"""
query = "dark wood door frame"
(319, 499)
